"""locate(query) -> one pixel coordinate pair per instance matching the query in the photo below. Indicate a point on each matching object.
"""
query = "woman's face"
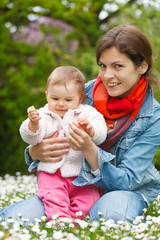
(118, 72)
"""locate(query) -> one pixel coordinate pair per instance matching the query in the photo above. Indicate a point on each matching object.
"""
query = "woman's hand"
(78, 137)
(80, 140)
(50, 149)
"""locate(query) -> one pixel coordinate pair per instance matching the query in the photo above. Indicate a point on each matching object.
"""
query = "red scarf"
(124, 110)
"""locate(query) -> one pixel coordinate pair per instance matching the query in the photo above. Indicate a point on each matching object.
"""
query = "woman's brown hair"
(129, 40)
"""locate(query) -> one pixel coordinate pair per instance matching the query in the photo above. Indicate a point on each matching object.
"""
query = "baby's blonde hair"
(65, 74)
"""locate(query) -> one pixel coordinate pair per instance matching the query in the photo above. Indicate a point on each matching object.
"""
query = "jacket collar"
(146, 109)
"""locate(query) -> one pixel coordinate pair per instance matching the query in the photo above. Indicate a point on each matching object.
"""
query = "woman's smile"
(113, 84)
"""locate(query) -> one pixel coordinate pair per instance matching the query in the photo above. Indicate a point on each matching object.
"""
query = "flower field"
(16, 188)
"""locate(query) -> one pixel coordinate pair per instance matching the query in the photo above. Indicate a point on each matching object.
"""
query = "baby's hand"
(86, 126)
(34, 117)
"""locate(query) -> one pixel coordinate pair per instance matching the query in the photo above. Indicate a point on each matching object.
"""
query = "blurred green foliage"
(25, 67)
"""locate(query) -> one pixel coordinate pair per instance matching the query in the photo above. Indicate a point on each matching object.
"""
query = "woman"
(123, 165)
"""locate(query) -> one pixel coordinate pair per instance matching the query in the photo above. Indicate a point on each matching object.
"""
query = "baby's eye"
(55, 99)
(68, 100)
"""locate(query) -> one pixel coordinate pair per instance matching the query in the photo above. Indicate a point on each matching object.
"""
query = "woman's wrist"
(91, 154)
(28, 158)
(32, 153)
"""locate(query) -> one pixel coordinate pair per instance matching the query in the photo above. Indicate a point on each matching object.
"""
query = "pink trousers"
(61, 197)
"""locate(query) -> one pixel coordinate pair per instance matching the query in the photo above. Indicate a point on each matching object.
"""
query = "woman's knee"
(118, 205)
(30, 209)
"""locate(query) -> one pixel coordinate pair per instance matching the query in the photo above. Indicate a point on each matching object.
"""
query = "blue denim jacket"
(133, 168)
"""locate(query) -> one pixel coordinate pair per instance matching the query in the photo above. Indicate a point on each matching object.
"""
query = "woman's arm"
(50, 149)
(134, 157)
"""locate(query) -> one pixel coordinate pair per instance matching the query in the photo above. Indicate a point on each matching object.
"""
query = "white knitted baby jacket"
(50, 122)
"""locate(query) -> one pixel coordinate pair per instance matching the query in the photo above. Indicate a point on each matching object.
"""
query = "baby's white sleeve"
(30, 137)
(97, 120)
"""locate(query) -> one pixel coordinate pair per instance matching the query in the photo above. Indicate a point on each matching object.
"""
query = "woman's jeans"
(116, 205)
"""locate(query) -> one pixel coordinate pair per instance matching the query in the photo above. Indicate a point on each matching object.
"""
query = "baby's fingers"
(82, 122)
(30, 109)
(34, 116)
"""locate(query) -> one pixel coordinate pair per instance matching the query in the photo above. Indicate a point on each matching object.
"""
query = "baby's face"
(61, 98)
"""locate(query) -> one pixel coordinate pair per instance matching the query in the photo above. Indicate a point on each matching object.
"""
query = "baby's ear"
(46, 93)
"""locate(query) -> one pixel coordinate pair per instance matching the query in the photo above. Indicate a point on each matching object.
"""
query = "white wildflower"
(70, 236)
(19, 215)
(101, 238)
(103, 228)
(127, 238)
(1, 234)
(92, 229)
(148, 218)
(71, 225)
(100, 213)
(156, 219)
(25, 219)
(139, 219)
(144, 210)
(95, 224)
(43, 218)
(35, 229)
(65, 220)
(57, 235)
(44, 234)
(37, 220)
(80, 213)
(25, 231)
(83, 224)
(49, 224)
(55, 216)
(4, 225)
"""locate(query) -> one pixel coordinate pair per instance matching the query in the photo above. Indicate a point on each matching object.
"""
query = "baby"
(65, 94)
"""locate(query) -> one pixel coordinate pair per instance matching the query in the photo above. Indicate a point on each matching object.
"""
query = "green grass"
(157, 159)
(16, 188)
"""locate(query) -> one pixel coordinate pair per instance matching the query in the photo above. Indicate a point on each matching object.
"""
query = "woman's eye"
(118, 66)
(102, 65)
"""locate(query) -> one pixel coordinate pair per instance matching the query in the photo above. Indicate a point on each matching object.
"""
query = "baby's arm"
(86, 126)
(97, 121)
(34, 118)
(34, 134)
